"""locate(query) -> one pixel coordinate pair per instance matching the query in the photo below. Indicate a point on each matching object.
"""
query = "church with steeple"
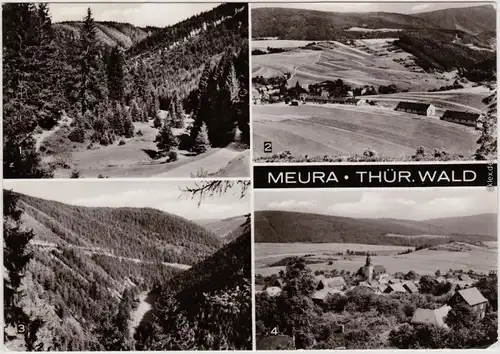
(368, 268)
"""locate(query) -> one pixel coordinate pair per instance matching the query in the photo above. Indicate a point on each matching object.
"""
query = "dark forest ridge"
(142, 233)
(287, 226)
(275, 22)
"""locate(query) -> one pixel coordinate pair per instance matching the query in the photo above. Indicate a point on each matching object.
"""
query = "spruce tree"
(165, 140)
(116, 74)
(201, 142)
(128, 125)
(92, 81)
(135, 111)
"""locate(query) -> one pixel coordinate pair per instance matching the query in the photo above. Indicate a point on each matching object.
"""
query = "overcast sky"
(387, 6)
(138, 14)
(164, 196)
(411, 203)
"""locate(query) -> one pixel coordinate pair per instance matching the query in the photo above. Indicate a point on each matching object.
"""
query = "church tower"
(368, 268)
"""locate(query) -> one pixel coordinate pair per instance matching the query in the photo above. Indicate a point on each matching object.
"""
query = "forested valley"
(76, 278)
(79, 88)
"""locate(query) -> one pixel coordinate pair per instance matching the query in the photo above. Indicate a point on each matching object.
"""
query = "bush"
(172, 156)
(121, 142)
(75, 174)
(77, 135)
(157, 123)
(139, 133)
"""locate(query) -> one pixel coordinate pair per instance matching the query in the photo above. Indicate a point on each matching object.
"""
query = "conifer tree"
(165, 140)
(116, 75)
(92, 89)
(128, 125)
(135, 111)
(201, 142)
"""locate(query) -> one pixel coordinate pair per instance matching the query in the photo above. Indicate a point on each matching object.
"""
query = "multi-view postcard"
(125, 90)
(388, 268)
(124, 266)
(373, 81)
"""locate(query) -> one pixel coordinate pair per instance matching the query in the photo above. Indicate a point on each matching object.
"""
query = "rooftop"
(472, 296)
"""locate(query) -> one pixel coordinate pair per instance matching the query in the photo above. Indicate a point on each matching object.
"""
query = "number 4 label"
(274, 331)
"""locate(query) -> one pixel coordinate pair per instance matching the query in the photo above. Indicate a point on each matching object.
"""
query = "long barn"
(423, 109)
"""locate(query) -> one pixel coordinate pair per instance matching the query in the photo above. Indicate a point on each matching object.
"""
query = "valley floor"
(480, 259)
(135, 158)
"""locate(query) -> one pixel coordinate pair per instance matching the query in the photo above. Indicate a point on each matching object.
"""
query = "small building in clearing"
(410, 287)
(423, 109)
(473, 298)
(464, 118)
(431, 317)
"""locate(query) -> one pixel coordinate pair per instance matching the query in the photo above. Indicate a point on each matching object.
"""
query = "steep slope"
(206, 307)
(110, 34)
(472, 20)
(228, 228)
(140, 233)
(284, 226)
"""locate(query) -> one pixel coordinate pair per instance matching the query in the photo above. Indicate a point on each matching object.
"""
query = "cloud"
(290, 204)
(420, 7)
(378, 205)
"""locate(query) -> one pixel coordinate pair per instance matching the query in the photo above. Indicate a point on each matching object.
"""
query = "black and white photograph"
(98, 90)
(127, 266)
(363, 82)
(376, 268)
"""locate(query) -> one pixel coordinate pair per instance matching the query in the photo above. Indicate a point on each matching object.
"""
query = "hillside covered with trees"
(285, 226)
(103, 78)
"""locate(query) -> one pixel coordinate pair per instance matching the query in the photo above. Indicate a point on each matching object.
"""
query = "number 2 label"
(268, 146)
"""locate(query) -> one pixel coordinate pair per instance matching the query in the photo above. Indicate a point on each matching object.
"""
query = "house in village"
(337, 283)
(431, 317)
(394, 288)
(464, 118)
(473, 298)
(410, 287)
(275, 342)
(327, 287)
(423, 109)
(354, 101)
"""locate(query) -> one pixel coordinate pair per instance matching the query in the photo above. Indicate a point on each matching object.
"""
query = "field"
(317, 130)
(274, 43)
(368, 62)
(134, 158)
(479, 259)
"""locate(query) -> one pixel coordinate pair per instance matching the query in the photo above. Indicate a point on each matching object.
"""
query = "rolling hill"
(141, 233)
(472, 20)
(322, 25)
(284, 226)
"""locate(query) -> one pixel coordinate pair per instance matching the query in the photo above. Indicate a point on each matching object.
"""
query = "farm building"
(395, 288)
(337, 283)
(464, 118)
(278, 282)
(294, 103)
(354, 101)
(259, 288)
(317, 99)
(473, 298)
(431, 317)
(423, 109)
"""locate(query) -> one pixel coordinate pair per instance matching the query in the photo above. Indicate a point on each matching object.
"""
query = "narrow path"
(207, 165)
(39, 138)
(137, 315)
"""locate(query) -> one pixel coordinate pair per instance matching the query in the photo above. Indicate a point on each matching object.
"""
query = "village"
(333, 290)
(339, 93)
